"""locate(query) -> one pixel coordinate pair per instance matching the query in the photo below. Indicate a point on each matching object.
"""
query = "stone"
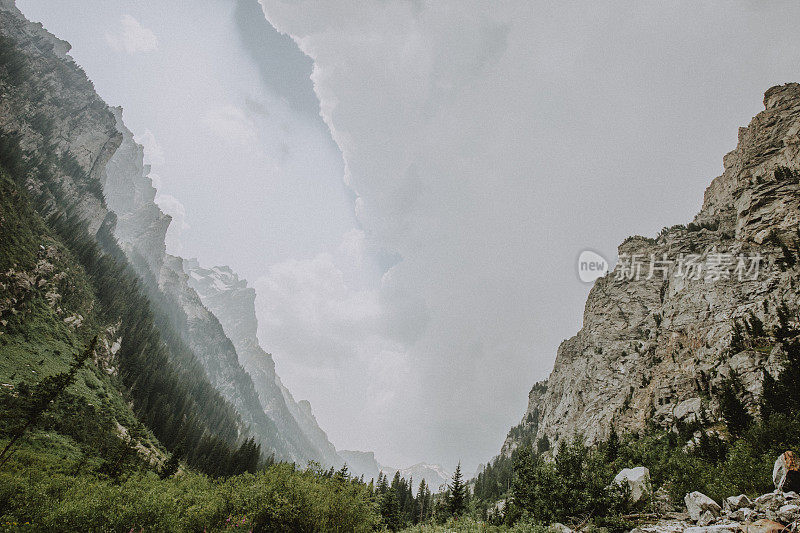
(733, 503)
(662, 526)
(706, 519)
(697, 503)
(763, 526)
(637, 479)
(740, 515)
(688, 410)
(786, 472)
(789, 512)
(718, 528)
(558, 527)
(771, 501)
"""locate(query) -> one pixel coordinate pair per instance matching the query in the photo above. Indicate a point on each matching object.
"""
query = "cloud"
(231, 125)
(132, 37)
(174, 208)
(153, 153)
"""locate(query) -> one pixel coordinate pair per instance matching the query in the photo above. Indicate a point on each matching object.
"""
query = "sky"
(408, 184)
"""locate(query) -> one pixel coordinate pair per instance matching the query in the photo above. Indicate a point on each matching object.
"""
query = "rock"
(733, 503)
(718, 528)
(637, 479)
(558, 527)
(791, 495)
(763, 526)
(697, 503)
(786, 472)
(771, 501)
(688, 410)
(789, 512)
(706, 519)
(740, 515)
(663, 526)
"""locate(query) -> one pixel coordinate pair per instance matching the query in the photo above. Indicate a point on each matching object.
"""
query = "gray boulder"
(789, 512)
(637, 479)
(786, 472)
(697, 503)
(732, 503)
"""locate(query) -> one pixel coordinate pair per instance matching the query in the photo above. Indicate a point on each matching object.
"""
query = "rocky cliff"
(233, 303)
(697, 305)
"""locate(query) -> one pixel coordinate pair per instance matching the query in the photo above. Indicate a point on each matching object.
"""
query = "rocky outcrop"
(685, 311)
(50, 107)
(233, 303)
(141, 226)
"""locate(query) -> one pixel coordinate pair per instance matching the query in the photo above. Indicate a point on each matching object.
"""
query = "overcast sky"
(414, 246)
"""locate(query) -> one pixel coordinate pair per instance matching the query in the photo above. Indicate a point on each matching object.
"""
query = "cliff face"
(233, 303)
(51, 107)
(656, 347)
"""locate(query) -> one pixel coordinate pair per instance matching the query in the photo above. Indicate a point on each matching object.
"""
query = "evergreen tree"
(612, 445)
(170, 466)
(457, 501)
(42, 395)
(733, 410)
(390, 510)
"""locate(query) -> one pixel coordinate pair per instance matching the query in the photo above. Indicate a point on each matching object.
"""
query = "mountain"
(655, 349)
(82, 164)
(435, 476)
(71, 278)
(233, 303)
(361, 463)
(364, 463)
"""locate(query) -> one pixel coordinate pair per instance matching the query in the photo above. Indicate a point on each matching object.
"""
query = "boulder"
(697, 503)
(786, 472)
(789, 512)
(764, 526)
(706, 519)
(740, 515)
(637, 479)
(732, 503)
(771, 501)
(558, 527)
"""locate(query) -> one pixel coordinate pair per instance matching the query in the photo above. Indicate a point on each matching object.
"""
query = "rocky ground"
(769, 513)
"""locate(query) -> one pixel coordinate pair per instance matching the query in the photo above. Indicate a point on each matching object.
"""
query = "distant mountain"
(364, 463)
(435, 476)
(361, 463)
(233, 303)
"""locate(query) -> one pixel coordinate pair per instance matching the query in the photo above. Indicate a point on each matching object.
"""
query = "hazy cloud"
(153, 152)
(132, 37)
(232, 125)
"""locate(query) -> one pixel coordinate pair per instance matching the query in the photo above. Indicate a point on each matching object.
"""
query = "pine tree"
(390, 510)
(733, 410)
(612, 445)
(458, 494)
(43, 394)
(170, 466)
(422, 495)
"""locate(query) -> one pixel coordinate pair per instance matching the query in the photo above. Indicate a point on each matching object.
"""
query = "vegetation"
(50, 486)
